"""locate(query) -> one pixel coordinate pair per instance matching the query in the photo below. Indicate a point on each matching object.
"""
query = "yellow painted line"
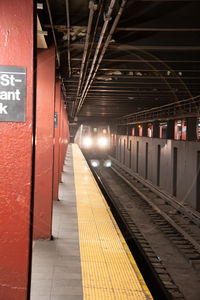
(109, 270)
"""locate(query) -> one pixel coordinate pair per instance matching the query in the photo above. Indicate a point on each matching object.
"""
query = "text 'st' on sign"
(12, 94)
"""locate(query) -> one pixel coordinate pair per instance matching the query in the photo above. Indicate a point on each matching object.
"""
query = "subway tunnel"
(100, 149)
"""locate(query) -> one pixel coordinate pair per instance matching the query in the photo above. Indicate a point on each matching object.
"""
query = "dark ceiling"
(148, 56)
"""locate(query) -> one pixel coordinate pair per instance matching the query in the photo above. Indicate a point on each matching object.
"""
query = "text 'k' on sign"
(12, 94)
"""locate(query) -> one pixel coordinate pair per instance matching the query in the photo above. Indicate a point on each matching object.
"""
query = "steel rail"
(133, 233)
(190, 213)
(195, 244)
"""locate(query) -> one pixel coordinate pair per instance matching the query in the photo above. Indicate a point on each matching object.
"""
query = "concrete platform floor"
(56, 267)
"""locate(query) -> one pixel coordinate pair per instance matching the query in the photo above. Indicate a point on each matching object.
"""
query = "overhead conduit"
(92, 7)
(89, 82)
(53, 32)
(107, 43)
(68, 38)
(92, 42)
(107, 18)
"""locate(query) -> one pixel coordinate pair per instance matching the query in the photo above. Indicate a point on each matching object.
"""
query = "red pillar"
(44, 143)
(61, 138)
(66, 138)
(16, 44)
(56, 141)
(63, 135)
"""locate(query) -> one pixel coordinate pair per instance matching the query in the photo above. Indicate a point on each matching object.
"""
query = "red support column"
(16, 44)
(63, 135)
(56, 141)
(61, 138)
(66, 134)
(44, 144)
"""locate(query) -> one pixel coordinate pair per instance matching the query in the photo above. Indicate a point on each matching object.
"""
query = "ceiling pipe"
(114, 25)
(53, 31)
(93, 8)
(92, 43)
(107, 18)
(68, 39)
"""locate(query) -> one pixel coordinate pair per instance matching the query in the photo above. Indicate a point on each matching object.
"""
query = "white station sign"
(12, 94)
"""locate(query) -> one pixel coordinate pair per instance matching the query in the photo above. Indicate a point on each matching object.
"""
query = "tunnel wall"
(164, 177)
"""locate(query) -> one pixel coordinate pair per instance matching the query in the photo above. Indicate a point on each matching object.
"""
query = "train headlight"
(102, 142)
(94, 163)
(107, 163)
(87, 141)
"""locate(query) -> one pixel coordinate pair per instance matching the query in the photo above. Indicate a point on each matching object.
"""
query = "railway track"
(179, 225)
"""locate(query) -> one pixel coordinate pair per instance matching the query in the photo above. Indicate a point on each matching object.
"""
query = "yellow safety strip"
(109, 270)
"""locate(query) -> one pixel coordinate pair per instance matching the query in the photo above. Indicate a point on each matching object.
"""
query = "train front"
(95, 144)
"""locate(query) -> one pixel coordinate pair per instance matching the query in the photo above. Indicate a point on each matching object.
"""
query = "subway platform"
(88, 257)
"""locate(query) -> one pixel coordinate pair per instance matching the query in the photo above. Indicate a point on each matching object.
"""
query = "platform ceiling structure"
(117, 57)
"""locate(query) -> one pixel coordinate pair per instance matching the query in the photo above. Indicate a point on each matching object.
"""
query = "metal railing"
(185, 108)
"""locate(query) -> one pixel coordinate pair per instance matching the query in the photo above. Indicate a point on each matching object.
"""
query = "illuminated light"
(139, 126)
(107, 163)
(104, 131)
(87, 141)
(94, 163)
(95, 129)
(102, 142)
(138, 73)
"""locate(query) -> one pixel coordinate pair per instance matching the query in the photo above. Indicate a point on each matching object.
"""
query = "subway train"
(94, 142)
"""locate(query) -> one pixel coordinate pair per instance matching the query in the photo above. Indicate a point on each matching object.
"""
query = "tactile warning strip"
(108, 268)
